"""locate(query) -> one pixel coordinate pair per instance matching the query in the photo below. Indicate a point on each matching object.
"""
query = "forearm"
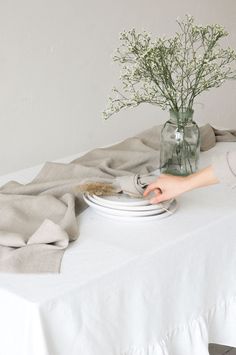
(202, 178)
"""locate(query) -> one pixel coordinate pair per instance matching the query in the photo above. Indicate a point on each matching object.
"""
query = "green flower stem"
(171, 72)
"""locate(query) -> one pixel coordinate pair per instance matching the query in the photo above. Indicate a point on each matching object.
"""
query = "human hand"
(170, 186)
(167, 187)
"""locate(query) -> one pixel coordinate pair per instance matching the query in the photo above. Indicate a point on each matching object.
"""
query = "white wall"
(56, 73)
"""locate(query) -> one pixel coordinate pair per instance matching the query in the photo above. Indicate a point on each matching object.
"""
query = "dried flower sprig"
(171, 72)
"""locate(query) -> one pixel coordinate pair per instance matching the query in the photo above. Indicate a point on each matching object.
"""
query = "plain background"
(56, 73)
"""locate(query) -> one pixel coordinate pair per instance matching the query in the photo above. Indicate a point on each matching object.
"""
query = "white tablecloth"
(165, 287)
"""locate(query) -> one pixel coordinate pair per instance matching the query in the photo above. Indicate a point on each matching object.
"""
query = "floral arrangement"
(171, 72)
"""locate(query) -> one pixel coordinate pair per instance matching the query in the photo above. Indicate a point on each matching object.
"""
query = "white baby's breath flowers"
(171, 72)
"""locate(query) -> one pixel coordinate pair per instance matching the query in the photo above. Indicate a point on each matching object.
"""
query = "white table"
(165, 287)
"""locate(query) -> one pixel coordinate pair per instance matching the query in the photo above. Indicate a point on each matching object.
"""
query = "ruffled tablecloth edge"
(217, 325)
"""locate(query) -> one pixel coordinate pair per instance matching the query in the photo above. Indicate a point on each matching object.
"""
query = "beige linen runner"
(38, 220)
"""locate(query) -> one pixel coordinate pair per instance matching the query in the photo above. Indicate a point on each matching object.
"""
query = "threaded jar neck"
(182, 117)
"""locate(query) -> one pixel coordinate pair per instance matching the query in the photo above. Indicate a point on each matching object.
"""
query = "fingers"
(159, 198)
(155, 196)
(151, 187)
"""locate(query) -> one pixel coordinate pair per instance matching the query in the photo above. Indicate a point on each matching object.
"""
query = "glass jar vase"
(180, 144)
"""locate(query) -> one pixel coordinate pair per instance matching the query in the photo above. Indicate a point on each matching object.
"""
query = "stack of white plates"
(126, 208)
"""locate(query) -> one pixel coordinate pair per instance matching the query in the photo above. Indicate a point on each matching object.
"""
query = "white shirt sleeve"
(225, 168)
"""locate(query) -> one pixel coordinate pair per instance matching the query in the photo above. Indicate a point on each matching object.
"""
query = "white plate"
(124, 201)
(127, 207)
(121, 213)
(121, 200)
(171, 210)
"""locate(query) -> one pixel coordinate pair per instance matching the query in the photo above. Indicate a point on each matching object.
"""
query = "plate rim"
(148, 207)
(142, 202)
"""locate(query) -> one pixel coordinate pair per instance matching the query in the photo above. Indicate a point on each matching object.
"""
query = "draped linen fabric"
(38, 220)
